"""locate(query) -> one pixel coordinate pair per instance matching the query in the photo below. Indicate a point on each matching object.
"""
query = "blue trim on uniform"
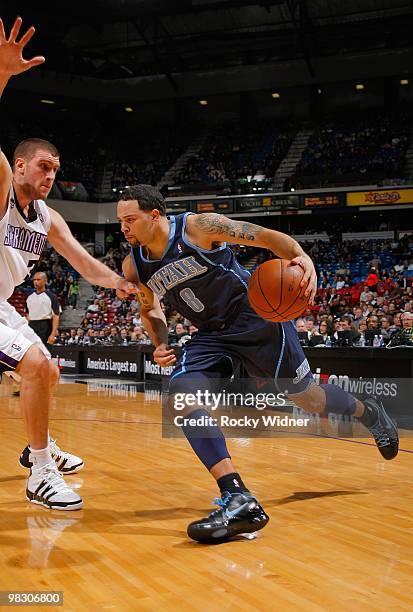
(219, 265)
(135, 265)
(242, 267)
(183, 368)
(168, 246)
(280, 358)
(195, 246)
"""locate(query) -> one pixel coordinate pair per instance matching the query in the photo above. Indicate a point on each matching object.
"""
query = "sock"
(40, 457)
(369, 416)
(207, 441)
(339, 401)
(232, 483)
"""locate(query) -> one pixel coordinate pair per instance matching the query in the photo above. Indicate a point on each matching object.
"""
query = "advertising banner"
(379, 197)
(113, 362)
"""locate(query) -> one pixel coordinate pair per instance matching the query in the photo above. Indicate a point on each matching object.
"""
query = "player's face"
(137, 225)
(37, 174)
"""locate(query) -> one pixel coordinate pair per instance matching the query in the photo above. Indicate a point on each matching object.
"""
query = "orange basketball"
(274, 291)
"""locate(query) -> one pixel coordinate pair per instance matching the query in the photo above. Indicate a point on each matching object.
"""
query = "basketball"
(275, 293)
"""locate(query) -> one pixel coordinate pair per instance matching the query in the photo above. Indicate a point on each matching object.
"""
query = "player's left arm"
(55, 318)
(62, 239)
(209, 230)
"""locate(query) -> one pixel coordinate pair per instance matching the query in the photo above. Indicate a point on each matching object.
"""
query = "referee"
(43, 310)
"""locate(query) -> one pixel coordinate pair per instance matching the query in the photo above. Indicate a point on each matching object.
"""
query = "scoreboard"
(219, 206)
(323, 199)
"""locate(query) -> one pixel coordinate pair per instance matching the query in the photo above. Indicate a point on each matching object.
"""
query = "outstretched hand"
(12, 61)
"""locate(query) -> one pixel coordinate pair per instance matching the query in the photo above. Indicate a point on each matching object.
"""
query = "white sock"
(40, 457)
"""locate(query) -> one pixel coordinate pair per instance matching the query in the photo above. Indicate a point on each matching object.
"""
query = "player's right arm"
(6, 179)
(152, 316)
(11, 64)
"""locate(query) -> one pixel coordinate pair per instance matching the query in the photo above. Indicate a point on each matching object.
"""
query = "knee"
(34, 366)
(183, 395)
(54, 373)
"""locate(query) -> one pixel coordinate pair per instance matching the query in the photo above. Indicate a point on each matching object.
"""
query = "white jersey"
(22, 240)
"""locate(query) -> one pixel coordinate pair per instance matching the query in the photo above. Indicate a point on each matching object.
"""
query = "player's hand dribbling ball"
(275, 292)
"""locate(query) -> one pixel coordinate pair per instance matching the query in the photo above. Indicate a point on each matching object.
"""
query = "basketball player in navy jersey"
(26, 223)
(185, 259)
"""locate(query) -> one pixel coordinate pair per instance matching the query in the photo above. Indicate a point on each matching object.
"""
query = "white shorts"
(16, 337)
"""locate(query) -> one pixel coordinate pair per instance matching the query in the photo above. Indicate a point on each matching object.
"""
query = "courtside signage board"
(380, 197)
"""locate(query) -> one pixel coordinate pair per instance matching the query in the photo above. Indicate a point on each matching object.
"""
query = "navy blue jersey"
(208, 287)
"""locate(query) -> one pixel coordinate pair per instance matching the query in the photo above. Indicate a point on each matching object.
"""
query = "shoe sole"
(223, 534)
(70, 508)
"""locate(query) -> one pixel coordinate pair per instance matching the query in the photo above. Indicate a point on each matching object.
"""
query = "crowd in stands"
(149, 162)
(362, 148)
(234, 154)
(357, 149)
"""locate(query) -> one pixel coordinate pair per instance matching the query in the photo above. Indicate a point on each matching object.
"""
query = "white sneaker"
(66, 462)
(45, 486)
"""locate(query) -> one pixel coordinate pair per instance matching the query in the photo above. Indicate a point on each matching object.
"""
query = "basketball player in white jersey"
(26, 223)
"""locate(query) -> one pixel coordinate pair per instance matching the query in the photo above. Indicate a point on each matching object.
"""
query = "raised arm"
(152, 316)
(11, 64)
(210, 229)
(62, 239)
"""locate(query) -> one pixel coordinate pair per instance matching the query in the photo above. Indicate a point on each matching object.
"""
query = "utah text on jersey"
(175, 273)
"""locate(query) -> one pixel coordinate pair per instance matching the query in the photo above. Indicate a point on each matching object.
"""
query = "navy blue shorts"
(266, 350)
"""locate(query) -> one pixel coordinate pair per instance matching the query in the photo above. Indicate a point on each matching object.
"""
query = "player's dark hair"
(28, 147)
(148, 197)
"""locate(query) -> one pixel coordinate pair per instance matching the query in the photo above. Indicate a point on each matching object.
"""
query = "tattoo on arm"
(144, 301)
(211, 223)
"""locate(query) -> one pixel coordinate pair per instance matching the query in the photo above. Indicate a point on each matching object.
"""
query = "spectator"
(323, 335)
(407, 320)
(373, 323)
(372, 280)
(72, 337)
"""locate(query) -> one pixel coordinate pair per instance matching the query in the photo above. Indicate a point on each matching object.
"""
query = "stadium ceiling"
(184, 47)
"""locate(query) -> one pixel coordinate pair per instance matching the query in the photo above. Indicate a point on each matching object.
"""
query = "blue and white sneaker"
(237, 513)
(380, 425)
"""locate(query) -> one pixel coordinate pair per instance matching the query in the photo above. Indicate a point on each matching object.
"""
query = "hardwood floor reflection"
(340, 535)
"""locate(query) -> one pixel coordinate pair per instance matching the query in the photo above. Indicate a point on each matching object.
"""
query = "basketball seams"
(294, 301)
(256, 280)
(262, 292)
(281, 283)
(256, 286)
(253, 287)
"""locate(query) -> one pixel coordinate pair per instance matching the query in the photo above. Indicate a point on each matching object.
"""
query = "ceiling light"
(359, 86)
(275, 95)
(45, 101)
(404, 81)
(203, 102)
(128, 109)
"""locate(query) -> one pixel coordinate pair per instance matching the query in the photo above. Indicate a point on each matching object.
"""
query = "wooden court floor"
(340, 535)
